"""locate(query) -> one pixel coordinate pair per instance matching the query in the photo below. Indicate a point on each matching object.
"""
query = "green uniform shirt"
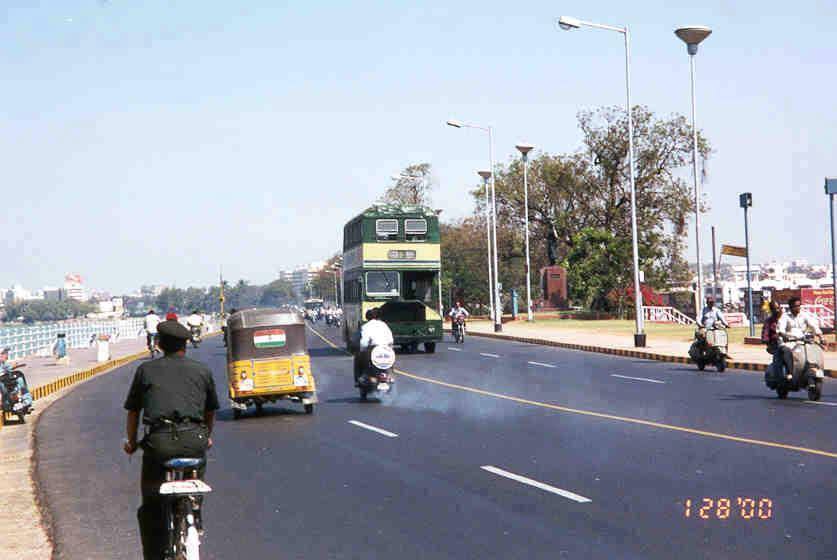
(170, 387)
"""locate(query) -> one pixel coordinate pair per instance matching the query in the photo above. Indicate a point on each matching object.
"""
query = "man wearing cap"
(177, 398)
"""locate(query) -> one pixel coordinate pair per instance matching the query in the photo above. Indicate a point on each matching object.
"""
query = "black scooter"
(376, 377)
(18, 400)
(196, 336)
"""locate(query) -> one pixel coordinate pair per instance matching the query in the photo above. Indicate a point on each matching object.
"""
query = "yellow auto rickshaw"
(267, 359)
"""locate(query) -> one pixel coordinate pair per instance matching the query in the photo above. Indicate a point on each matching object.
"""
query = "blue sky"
(152, 142)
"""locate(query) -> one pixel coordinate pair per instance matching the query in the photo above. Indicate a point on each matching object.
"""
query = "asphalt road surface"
(489, 449)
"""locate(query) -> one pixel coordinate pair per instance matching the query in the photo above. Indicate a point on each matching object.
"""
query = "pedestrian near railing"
(28, 340)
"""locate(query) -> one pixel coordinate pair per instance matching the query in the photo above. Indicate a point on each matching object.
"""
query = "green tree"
(46, 310)
(569, 193)
(597, 264)
(464, 268)
(412, 186)
(170, 298)
(277, 293)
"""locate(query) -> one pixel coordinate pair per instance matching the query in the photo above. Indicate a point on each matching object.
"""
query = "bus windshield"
(382, 283)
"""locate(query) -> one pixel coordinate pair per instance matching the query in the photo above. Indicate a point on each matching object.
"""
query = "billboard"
(817, 296)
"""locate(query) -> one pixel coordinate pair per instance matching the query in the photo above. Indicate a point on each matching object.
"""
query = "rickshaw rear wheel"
(430, 347)
(236, 413)
(309, 409)
(782, 393)
(22, 418)
(363, 394)
(701, 366)
(259, 408)
(722, 365)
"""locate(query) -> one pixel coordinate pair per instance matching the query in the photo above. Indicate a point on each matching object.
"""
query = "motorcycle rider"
(711, 315)
(458, 311)
(6, 368)
(793, 326)
(150, 325)
(195, 322)
(373, 333)
(770, 335)
(178, 400)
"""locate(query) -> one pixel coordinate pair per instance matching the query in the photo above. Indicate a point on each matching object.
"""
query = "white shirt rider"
(795, 326)
(711, 315)
(194, 320)
(375, 333)
(457, 311)
(151, 322)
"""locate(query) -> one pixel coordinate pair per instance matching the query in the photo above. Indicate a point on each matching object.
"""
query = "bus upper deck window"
(386, 229)
(415, 229)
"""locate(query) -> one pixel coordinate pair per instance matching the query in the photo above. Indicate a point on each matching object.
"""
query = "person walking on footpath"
(177, 399)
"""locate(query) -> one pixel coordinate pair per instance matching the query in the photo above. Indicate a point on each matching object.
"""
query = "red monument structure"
(554, 286)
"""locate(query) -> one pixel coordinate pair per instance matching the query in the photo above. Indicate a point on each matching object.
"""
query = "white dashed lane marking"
(373, 429)
(636, 378)
(541, 364)
(545, 487)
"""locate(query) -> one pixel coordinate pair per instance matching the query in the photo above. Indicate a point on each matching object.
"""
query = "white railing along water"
(27, 340)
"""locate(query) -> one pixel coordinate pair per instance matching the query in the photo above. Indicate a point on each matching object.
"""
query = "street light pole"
(831, 190)
(498, 308)
(693, 36)
(524, 152)
(714, 267)
(568, 23)
(494, 292)
(485, 175)
(745, 200)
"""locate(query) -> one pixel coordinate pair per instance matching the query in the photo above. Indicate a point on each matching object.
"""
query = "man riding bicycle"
(150, 325)
(177, 398)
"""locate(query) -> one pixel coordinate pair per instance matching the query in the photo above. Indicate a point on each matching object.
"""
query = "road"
(527, 452)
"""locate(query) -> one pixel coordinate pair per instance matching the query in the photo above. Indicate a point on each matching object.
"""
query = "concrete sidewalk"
(742, 356)
(22, 533)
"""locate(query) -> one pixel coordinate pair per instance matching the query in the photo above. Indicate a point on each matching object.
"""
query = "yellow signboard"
(733, 251)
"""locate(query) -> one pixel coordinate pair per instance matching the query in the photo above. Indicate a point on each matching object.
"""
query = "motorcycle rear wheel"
(815, 392)
(701, 366)
(722, 365)
(782, 393)
(22, 417)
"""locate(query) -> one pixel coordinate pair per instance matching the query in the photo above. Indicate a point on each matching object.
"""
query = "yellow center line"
(603, 415)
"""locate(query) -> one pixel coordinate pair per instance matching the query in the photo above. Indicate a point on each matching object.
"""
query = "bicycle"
(183, 494)
(151, 342)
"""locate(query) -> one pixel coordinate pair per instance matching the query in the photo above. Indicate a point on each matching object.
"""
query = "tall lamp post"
(693, 36)
(335, 269)
(524, 150)
(494, 292)
(831, 190)
(568, 23)
(745, 200)
(491, 284)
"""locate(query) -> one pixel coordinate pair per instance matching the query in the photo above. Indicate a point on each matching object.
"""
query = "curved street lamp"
(693, 36)
(568, 23)
(524, 150)
(491, 219)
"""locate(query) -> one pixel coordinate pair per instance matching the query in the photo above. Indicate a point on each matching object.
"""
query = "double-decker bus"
(392, 261)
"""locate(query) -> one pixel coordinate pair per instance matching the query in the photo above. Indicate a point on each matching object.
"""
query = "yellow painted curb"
(42, 391)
